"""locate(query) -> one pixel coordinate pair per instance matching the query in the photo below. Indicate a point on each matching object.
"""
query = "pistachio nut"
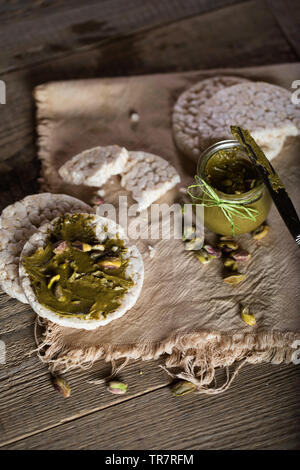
(117, 388)
(213, 251)
(53, 280)
(203, 257)
(260, 232)
(188, 232)
(98, 247)
(60, 247)
(110, 263)
(247, 317)
(228, 245)
(226, 238)
(81, 246)
(234, 278)
(194, 244)
(59, 294)
(96, 255)
(97, 200)
(242, 255)
(182, 388)
(227, 182)
(231, 264)
(61, 386)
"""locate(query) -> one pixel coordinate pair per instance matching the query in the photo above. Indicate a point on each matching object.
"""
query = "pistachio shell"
(182, 388)
(234, 278)
(247, 317)
(260, 232)
(117, 388)
(61, 386)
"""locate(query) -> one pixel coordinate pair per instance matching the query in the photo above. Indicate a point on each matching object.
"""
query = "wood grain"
(11, 10)
(25, 381)
(287, 14)
(54, 40)
(29, 406)
(188, 44)
(82, 25)
(261, 411)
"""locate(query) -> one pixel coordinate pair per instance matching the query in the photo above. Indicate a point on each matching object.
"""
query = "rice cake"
(186, 109)
(95, 166)
(148, 177)
(265, 110)
(18, 222)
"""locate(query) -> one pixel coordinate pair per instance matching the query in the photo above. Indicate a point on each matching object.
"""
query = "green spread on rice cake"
(76, 275)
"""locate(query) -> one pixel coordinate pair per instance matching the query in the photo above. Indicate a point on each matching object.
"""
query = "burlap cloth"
(185, 309)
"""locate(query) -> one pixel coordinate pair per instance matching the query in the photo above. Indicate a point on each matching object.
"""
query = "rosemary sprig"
(230, 209)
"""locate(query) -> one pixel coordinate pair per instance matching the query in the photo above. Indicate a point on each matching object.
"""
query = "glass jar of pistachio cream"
(234, 197)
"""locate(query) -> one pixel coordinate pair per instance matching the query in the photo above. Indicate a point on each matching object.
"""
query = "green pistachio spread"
(228, 171)
(76, 275)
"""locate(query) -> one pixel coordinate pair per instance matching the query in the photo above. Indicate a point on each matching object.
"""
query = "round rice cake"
(265, 110)
(186, 109)
(94, 166)
(18, 222)
(104, 228)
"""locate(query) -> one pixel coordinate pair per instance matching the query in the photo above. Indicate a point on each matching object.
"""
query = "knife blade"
(272, 181)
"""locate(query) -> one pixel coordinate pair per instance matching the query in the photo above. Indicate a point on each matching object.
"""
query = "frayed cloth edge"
(192, 357)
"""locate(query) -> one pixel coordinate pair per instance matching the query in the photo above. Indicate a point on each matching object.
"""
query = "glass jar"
(257, 198)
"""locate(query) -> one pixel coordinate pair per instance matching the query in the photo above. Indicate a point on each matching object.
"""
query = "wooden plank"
(24, 381)
(188, 44)
(261, 411)
(287, 14)
(47, 31)
(27, 9)
(14, 315)
(29, 405)
(28, 402)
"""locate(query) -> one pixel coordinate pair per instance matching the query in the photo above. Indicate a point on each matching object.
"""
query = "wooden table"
(50, 40)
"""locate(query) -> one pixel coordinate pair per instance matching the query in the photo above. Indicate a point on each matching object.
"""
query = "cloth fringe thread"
(192, 357)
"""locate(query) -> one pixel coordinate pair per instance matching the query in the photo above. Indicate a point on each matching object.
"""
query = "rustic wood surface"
(56, 40)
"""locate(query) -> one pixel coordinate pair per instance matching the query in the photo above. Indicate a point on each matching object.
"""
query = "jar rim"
(250, 196)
